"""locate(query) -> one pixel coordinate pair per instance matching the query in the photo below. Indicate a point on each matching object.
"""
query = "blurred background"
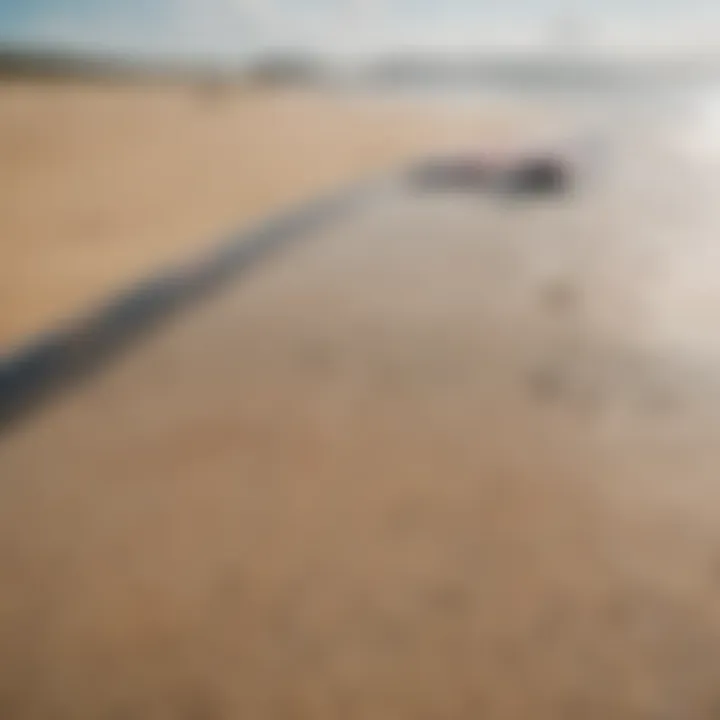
(445, 454)
(135, 132)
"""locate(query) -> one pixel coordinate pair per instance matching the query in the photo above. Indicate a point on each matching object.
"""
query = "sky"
(237, 28)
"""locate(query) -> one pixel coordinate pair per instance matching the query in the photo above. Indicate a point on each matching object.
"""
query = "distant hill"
(520, 70)
(25, 63)
(287, 68)
(50, 63)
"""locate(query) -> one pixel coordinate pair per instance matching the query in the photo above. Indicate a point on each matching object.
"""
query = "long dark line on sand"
(57, 362)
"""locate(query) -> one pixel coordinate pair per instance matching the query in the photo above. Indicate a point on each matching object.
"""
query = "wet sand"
(453, 458)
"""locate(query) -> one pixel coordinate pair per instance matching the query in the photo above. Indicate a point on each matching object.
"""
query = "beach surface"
(105, 184)
(449, 457)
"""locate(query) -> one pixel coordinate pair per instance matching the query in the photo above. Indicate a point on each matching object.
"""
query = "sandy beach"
(452, 457)
(102, 185)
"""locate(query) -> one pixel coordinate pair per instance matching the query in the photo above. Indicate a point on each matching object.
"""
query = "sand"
(453, 458)
(101, 185)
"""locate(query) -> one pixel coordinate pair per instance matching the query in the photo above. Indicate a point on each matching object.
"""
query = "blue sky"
(237, 27)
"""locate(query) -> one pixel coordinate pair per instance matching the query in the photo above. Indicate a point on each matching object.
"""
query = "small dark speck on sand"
(560, 296)
(546, 382)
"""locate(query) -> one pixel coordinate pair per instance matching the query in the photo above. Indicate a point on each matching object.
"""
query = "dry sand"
(101, 185)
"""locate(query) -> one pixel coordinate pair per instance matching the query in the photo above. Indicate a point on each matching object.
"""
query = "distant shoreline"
(407, 69)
